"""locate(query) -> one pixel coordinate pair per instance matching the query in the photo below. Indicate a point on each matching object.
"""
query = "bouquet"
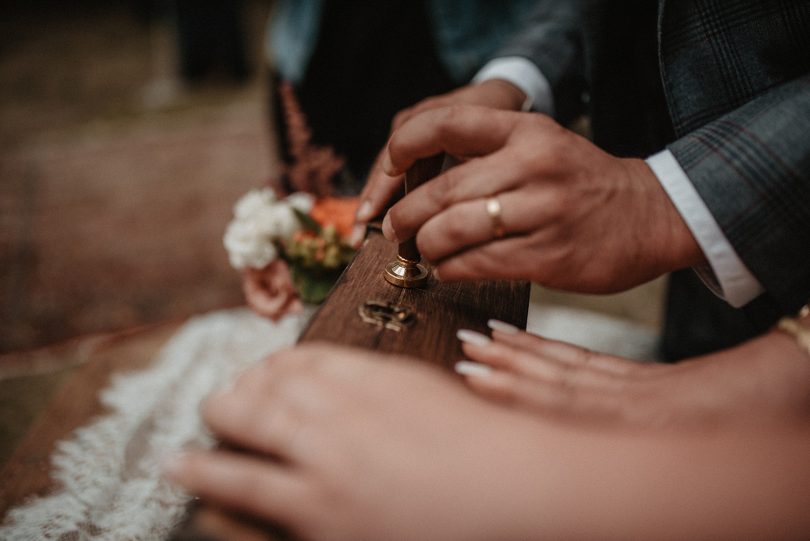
(292, 248)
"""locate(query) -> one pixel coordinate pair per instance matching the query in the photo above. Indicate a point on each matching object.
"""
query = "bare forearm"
(750, 484)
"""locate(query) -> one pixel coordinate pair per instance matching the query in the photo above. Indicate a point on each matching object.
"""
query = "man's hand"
(574, 217)
(380, 188)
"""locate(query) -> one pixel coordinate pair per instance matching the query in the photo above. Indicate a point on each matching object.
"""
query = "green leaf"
(307, 222)
(313, 284)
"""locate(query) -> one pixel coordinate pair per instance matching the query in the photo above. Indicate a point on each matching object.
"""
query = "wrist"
(501, 94)
(672, 243)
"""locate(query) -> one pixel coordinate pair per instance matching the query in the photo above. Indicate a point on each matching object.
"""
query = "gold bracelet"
(800, 333)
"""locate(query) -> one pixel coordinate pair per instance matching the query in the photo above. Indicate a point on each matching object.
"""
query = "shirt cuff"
(727, 276)
(522, 73)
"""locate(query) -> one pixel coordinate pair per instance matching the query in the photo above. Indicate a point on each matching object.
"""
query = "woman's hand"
(270, 291)
(766, 380)
(572, 216)
(365, 447)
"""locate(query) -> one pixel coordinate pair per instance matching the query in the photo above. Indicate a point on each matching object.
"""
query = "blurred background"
(119, 165)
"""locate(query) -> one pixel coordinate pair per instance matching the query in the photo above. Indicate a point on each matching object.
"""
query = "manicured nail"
(470, 368)
(502, 326)
(364, 212)
(388, 229)
(358, 233)
(472, 337)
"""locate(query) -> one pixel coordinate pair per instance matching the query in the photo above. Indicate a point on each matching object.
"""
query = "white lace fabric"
(108, 472)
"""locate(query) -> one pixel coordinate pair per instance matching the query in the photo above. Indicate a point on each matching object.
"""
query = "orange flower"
(338, 211)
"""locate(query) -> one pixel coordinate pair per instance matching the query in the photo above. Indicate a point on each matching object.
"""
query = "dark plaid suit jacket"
(725, 86)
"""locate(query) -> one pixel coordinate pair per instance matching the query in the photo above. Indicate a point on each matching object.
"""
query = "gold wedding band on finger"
(496, 215)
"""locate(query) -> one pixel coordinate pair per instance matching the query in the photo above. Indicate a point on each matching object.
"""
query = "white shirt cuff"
(728, 276)
(522, 73)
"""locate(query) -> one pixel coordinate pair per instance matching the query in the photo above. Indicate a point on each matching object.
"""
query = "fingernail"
(387, 166)
(388, 229)
(358, 233)
(502, 326)
(436, 275)
(470, 368)
(172, 463)
(472, 337)
(364, 212)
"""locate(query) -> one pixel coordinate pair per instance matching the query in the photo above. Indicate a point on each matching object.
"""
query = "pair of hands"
(575, 217)
(348, 445)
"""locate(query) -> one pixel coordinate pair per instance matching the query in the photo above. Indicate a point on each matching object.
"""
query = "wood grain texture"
(441, 309)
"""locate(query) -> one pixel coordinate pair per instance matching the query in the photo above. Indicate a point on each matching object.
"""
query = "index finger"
(459, 130)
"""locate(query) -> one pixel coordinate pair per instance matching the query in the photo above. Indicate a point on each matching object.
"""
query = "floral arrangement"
(292, 248)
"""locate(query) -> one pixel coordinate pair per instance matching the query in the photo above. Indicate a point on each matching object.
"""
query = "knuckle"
(455, 229)
(451, 115)
(446, 190)
(569, 378)
(400, 118)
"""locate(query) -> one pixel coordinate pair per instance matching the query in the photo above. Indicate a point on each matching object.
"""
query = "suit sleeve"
(751, 167)
(551, 39)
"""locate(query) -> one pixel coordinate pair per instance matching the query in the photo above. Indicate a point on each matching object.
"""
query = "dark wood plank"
(441, 308)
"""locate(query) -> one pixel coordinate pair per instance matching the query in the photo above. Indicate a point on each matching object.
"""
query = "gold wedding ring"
(496, 215)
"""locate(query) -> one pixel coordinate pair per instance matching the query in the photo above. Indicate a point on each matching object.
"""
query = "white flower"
(301, 201)
(248, 245)
(253, 202)
(277, 222)
(260, 222)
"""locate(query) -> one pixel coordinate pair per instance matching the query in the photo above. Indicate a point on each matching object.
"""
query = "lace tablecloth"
(108, 472)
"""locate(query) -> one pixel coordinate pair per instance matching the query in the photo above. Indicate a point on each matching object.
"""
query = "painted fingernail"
(502, 326)
(358, 233)
(388, 229)
(470, 368)
(472, 337)
(364, 212)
